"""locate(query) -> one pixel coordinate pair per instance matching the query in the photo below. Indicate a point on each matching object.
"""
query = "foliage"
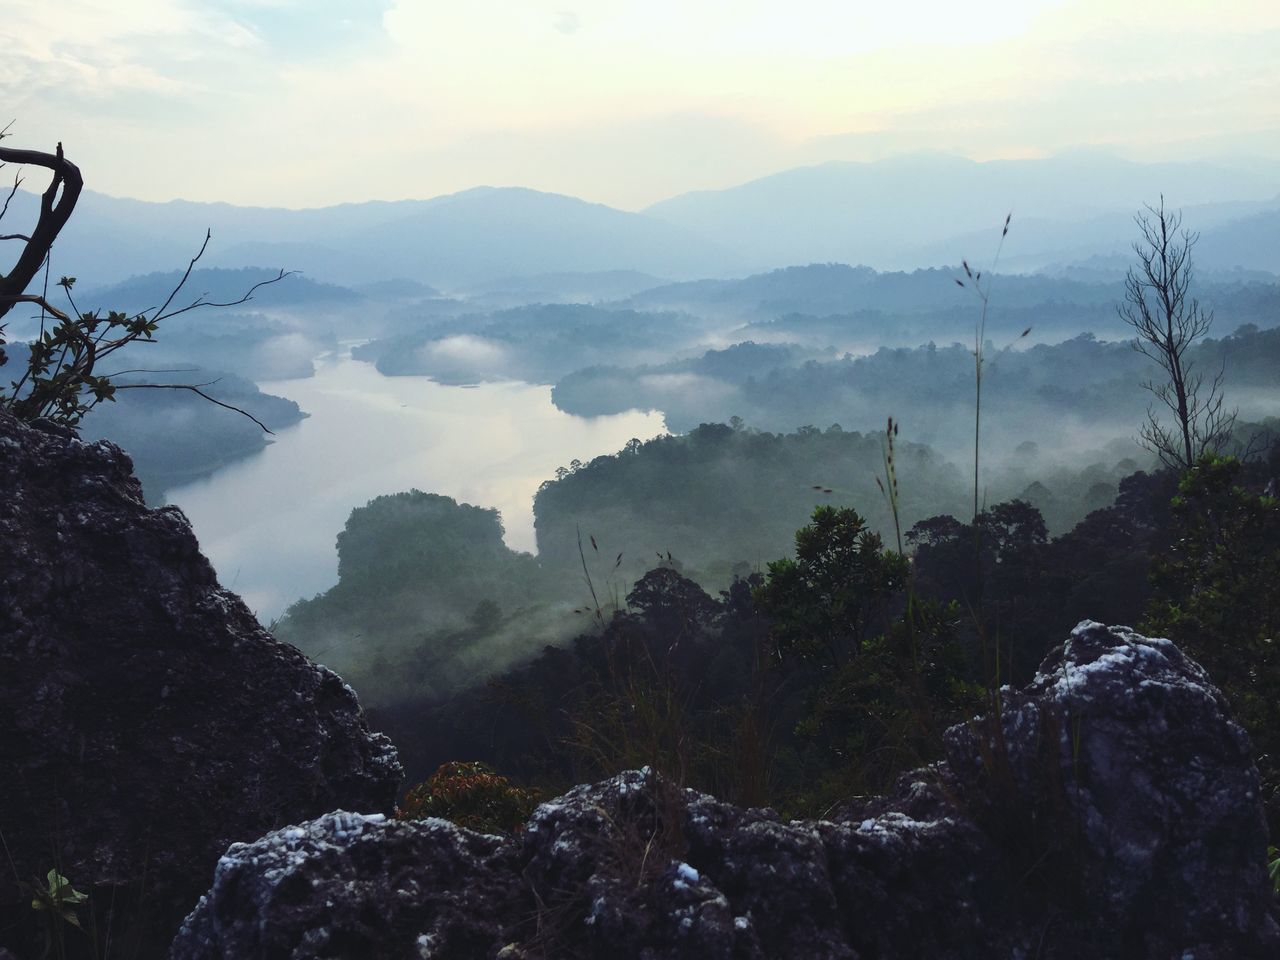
(473, 796)
(56, 901)
(674, 604)
(1036, 589)
(826, 600)
(410, 565)
(690, 494)
(60, 382)
(1031, 397)
(1216, 593)
(884, 711)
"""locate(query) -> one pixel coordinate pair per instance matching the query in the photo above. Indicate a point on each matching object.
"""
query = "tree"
(825, 601)
(673, 604)
(62, 381)
(1216, 593)
(1168, 321)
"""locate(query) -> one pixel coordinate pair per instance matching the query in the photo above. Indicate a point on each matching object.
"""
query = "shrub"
(473, 796)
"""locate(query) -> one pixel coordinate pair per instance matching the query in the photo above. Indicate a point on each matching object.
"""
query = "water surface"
(269, 523)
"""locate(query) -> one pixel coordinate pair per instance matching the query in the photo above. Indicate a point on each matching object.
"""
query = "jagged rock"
(146, 719)
(1111, 810)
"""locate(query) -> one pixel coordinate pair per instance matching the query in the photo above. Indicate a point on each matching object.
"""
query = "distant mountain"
(216, 286)
(1251, 243)
(836, 305)
(903, 213)
(462, 239)
(565, 287)
(837, 288)
(484, 234)
(934, 209)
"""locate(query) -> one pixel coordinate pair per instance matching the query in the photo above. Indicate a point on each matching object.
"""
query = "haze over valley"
(751, 396)
(536, 329)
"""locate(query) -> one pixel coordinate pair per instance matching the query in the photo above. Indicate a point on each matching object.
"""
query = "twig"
(195, 390)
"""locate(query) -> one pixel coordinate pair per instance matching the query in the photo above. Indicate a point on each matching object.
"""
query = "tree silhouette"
(1168, 321)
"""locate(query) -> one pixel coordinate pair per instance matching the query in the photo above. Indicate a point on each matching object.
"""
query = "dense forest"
(732, 691)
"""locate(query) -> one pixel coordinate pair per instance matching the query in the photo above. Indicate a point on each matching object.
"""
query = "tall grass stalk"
(983, 292)
(598, 611)
(889, 489)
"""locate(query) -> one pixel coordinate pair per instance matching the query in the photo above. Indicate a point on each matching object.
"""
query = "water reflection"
(269, 523)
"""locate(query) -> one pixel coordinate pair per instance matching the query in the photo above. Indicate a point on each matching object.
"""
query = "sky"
(302, 103)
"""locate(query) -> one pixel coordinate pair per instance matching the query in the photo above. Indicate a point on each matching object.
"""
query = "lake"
(269, 523)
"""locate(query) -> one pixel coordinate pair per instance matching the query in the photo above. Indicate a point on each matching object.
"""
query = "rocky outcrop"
(146, 719)
(1111, 809)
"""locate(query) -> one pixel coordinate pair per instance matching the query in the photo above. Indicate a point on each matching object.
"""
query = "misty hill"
(931, 209)
(825, 288)
(537, 343)
(467, 238)
(175, 436)
(1250, 243)
(564, 287)
(1053, 394)
(219, 285)
(834, 304)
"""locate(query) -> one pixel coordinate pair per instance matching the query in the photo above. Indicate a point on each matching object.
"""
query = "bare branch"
(187, 275)
(121, 373)
(200, 301)
(230, 303)
(1168, 322)
(56, 204)
(14, 298)
(17, 182)
(196, 390)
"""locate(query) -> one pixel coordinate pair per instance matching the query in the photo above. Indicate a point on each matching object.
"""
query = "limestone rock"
(146, 719)
(1110, 810)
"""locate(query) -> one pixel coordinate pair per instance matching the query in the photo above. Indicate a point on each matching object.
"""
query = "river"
(269, 523)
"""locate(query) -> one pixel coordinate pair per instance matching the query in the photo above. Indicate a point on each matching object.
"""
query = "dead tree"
(1169, 321)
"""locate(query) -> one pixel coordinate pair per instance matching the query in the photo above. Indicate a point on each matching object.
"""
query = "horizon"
(279, 103)
(1237, 163)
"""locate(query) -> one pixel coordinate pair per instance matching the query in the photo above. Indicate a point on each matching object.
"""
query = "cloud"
(465, 358)
(568, 22)
(310, 29)
(307, 102)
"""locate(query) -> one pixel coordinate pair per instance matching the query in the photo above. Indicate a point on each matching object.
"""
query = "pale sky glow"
(311, 102)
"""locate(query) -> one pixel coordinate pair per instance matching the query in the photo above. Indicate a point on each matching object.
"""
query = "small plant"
(472, 795)
(1273, 868)
(55, 900)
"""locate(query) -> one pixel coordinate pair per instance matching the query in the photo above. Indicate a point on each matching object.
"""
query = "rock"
(1111, 810)
(146, 719)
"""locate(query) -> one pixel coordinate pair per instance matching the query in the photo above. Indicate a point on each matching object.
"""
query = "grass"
(643, 833)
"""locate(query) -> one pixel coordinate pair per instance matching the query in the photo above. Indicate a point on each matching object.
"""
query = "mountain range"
(924, 210)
